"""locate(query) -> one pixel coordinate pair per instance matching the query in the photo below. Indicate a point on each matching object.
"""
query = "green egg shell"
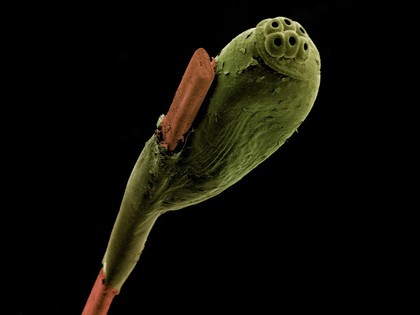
(256, 104)
(257, 101)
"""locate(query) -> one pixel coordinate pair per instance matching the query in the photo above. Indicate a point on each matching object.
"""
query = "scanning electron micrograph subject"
(229, 114)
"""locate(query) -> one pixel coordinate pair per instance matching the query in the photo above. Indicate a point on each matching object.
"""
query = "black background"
(318, 226)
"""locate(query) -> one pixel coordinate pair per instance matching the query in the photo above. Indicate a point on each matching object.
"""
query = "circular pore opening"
(292, 40)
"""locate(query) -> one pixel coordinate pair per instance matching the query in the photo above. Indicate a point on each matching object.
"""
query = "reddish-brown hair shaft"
(189, 96)
(100, 297)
